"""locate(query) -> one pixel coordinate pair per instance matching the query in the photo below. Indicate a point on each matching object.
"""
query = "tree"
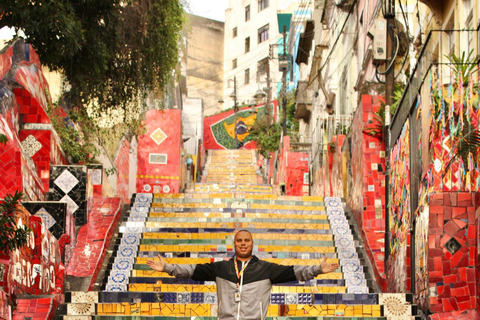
(266, 136)
(110, 51)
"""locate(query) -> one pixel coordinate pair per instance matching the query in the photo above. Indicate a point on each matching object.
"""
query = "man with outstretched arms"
(243, 282)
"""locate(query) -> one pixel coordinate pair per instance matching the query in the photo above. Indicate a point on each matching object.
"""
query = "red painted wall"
(37, 267)
(165, 126)
(367, 186)
(453, 252)
(293, 170)
(123, 166)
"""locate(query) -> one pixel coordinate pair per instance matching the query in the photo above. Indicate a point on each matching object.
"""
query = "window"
(262, 4)
(247, 13)
(234, 63)
(247, 76)
(262, 69)
(247, 44)
(263, 34)
(234, 32)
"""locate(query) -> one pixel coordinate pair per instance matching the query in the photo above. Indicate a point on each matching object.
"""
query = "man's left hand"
(328, 267)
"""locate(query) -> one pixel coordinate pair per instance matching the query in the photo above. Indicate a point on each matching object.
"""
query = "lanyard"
(240, 274)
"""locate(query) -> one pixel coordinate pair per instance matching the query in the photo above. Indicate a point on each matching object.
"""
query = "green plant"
(467, 146)
(376, 130)
(76, 132)
(292, 123)
(3, 139)
(109, 52)
(266, 136)
(463, 66)
(332, 146)
(11, 236)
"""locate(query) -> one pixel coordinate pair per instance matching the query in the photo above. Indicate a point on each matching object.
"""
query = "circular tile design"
(341, 229)
(395, 307)
(119, 277)
(332, 202)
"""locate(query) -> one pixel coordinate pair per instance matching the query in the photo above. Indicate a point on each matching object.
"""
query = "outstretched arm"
(185, 271)
(156, 265)
(328, 267)
(304, 273)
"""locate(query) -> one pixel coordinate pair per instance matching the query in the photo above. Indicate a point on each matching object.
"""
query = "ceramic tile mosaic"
(69, 184)
(54, 215)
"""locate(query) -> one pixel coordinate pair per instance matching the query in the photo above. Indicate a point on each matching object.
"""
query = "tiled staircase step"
(166, 279)
(206, 248)
(215, 318)
(158, 274)
(140, 263)
(236, 225)
(195, 309)
(226, 210)
(242, 215)
(230, 229)
(222, 198)
(230, 219)
(224, 194)
(228, 255)
(144, 287)
(230, 242)
(224, 235)
(210, 297)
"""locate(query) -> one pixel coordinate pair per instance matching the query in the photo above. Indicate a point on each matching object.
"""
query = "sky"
(212, 9)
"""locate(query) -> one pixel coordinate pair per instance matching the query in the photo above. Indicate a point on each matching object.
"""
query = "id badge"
(237, 296)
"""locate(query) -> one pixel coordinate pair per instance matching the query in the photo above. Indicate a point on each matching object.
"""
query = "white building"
(251, 42)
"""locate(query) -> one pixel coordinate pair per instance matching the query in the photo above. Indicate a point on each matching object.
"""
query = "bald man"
(244, 282)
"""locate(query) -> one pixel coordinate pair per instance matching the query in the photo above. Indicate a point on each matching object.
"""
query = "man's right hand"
(156, 265)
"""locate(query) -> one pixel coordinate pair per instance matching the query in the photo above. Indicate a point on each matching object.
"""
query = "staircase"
(198, 226)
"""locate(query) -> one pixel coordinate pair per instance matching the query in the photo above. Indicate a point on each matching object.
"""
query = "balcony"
(304, 98)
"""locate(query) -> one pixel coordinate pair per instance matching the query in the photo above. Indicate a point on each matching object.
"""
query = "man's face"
(243, 245)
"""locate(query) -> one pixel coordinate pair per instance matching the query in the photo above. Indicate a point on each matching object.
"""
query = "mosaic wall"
(338, 170)
(4, 307)
(94, 183)
(69, 184)
(17, 171)
(399, 213)
(53, 214)
(477, 254)
(160, 159)
(37, 267)
(31, 110)
(366, 182)
(59, 221)
(421, 257)
(455, 112)
(219, 129)
(293, 170)
(36, 144)
(6, 61)
(452, 260)
(122, 164)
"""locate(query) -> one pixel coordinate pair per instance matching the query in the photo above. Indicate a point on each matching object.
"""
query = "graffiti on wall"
(226, 129)
(399, 221)
(36, 268)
